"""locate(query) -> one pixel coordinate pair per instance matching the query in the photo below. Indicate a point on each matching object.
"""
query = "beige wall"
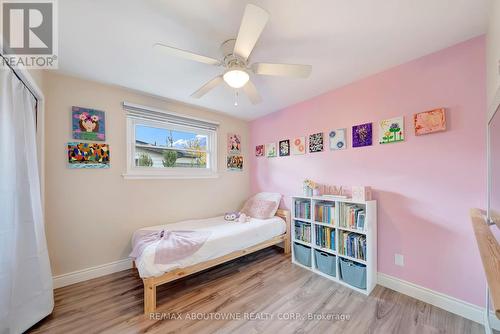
(91, 214)
(493, 54)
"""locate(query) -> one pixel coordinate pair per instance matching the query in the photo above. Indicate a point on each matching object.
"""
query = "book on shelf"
(303, 209)
(352, 216)
(325, 237)
(353, 245)
(302, 232)
(325, 213)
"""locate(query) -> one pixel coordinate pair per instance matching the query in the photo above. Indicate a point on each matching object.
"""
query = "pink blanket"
(172, 245)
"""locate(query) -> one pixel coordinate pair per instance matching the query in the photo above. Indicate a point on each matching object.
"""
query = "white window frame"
(135, 172)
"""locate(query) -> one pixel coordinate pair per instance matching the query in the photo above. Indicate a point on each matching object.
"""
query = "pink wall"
(424, 186)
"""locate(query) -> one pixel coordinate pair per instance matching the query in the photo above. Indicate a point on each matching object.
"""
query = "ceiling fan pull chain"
(235, 97)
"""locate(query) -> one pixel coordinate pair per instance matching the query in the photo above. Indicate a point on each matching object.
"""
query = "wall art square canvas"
(337, 139)
(429, 121)
(233, 143)
(88, 124)
(299, 146)
(362, 135)
(316, 142)
(259, 150)
(284, 148)
(235, 163)
(271, 151)
(391, 130)
(88, 155)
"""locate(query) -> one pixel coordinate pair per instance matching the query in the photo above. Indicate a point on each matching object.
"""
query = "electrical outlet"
(399, 260)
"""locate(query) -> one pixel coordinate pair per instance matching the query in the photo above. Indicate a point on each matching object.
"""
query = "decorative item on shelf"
(284, 148)
(362, 135)
(316, 142)
(233, 144)
(391, 130)
(271, 150)
(235, 163)
(88, 124)
(361, 193)
(309, 186)
(429, 121)
(88, 155)
(299, 146)
(332, 192)
(259, 150)
(337, 139)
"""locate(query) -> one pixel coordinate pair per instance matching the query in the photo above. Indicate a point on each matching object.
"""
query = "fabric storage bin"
(326, 263)
(353, 273)
(302, 254)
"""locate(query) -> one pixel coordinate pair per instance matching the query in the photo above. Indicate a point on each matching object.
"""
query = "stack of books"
(325, 213)
(353, 245)
(325, 237)
(351, 216)
(303, 232)
(303, 209)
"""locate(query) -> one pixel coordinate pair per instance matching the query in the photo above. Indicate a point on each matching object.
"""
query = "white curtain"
(25, 277)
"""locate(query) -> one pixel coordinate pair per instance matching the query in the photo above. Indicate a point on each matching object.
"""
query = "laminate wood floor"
(259, 293)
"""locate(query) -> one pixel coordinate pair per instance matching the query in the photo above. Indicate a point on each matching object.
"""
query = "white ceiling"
(344, 40)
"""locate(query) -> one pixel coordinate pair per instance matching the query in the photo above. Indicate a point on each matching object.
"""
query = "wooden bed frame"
(151, 283)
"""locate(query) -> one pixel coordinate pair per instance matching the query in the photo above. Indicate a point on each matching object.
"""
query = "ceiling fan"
(235, 53)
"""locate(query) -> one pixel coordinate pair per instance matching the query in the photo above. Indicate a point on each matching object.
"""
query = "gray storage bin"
(326, 263)
(302, 254)
(353, 273)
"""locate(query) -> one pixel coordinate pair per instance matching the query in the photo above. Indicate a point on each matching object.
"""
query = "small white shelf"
(324, 224)
(326, 250)
(351, 230)
(302, 242)
(302, 220)
(352, 259)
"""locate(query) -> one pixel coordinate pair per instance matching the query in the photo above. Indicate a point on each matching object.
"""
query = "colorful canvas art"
(316, 142)
(391, 130)
(235, 163)
(88, 155)
(299, 146)
(233, 143)
(362, 135)
(429, 121)
(271, 150)
(337, 139)
(88, 124)
(259, 150)
(284, 147)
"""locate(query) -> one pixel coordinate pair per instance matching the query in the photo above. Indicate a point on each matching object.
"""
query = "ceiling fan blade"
(186, 54)
(207, 87)
(253, 22)
(285, 70)
(252, 92)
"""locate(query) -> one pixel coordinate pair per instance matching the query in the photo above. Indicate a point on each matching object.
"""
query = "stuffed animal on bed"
(236, 216)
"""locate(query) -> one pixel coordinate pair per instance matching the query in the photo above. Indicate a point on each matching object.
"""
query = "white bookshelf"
(370, 231)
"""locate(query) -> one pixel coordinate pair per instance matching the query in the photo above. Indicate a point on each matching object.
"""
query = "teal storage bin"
(302, 254)
(353, 273)
(326, 263)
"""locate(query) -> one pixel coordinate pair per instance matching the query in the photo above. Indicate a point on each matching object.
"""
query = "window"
(168, 145)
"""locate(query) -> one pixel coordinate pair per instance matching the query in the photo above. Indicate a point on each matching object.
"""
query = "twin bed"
(226, 241)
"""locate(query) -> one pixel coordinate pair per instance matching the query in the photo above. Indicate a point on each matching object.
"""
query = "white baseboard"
(89, 273)
(448, 303)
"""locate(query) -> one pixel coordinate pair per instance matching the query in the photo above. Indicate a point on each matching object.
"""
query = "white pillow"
(266, 196)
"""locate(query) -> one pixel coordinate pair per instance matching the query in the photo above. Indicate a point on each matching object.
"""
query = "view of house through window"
(166, 148)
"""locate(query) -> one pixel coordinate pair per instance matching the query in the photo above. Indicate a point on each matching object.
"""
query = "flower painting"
(429, 121)
(271, 150)
(299, 146)
(235, 163)
(88, 124)
(337, 139)
(259, 150)
(88, 155)
(362, 135)
(284, 148)
(316, 142)
(391, 130)
(233, 143)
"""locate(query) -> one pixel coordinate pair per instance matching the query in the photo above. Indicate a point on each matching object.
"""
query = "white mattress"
(225, 237)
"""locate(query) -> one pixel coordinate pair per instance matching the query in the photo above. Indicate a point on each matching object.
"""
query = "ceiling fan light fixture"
(236, 78)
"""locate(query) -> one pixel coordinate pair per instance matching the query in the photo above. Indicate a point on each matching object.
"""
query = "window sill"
(145, 176)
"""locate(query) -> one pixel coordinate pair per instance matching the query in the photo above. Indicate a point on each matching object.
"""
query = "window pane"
(164, 148)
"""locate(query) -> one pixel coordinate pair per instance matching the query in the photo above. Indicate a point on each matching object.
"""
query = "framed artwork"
(271, 150)
(284, 148)
(233, 144)
(429, 121)
(362, 135)
(88, 124)
(235, 163)
(391, 130)
(259, 150)
(88, 155)
(299, 146)
(337, 139)
(316, 142)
